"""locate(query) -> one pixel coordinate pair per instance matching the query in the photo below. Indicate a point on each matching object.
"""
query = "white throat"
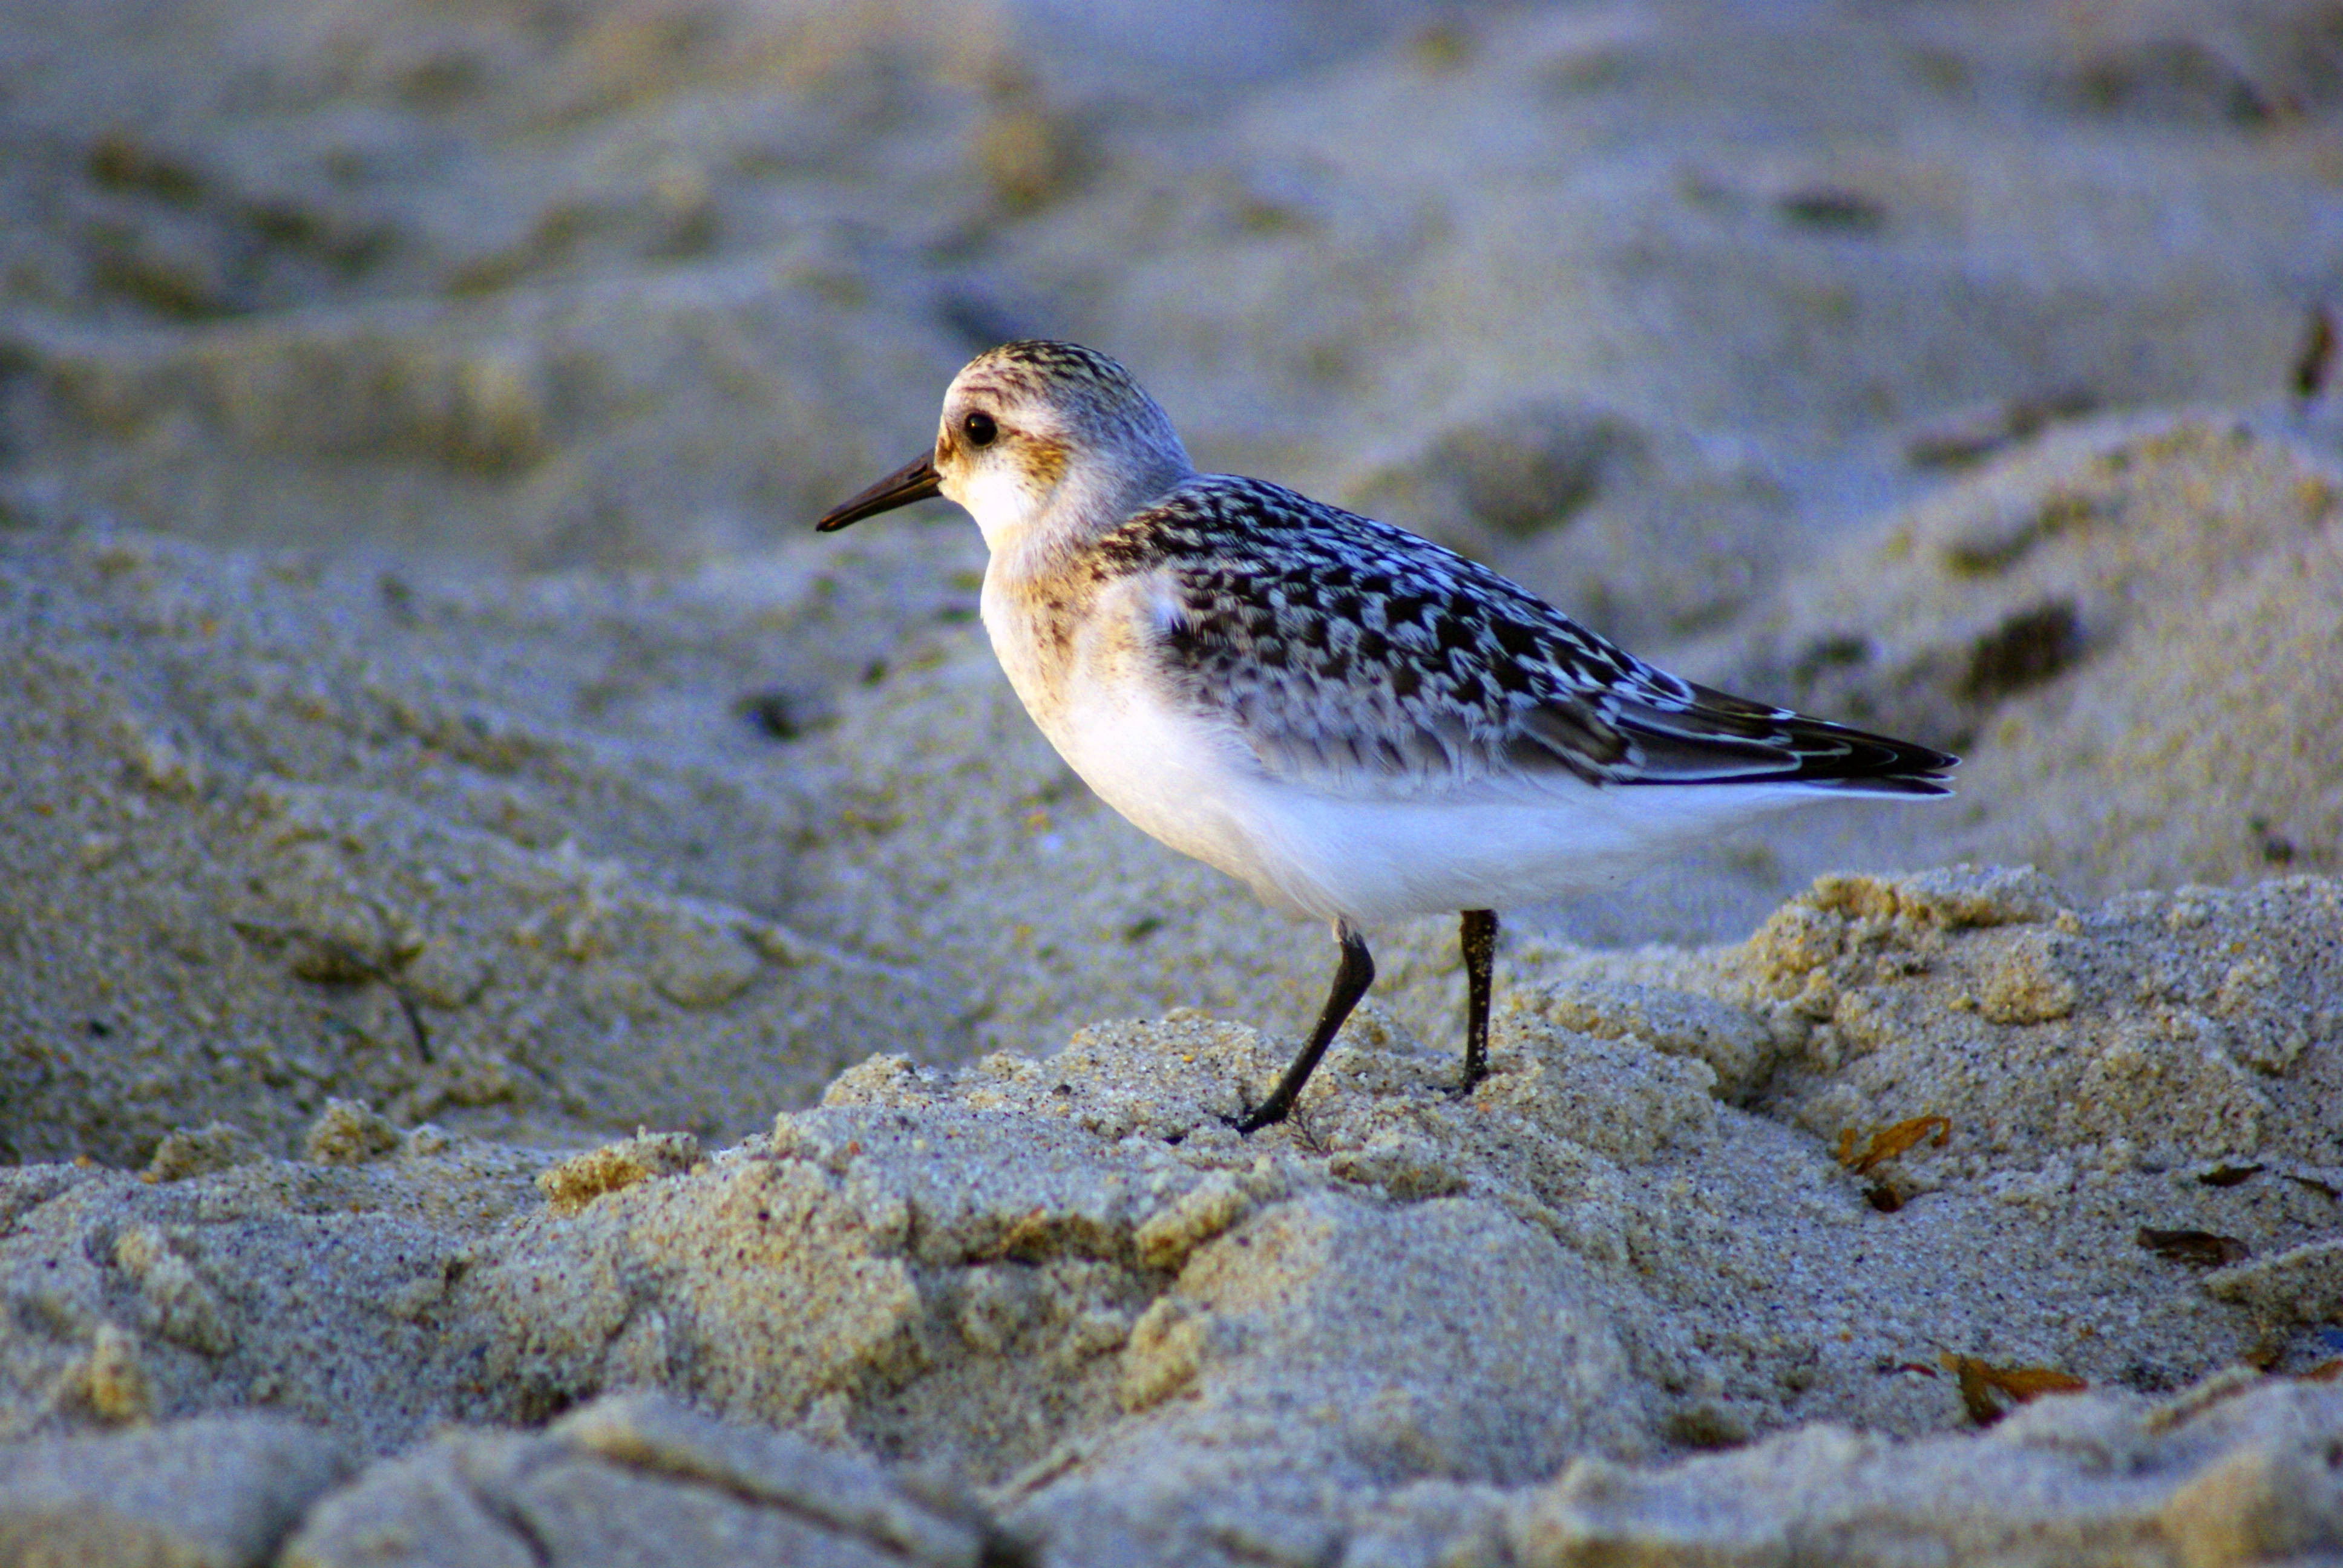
(1005, 505)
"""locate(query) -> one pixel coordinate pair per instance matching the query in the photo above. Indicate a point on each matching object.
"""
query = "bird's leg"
(1477, 937)
(1353, 976)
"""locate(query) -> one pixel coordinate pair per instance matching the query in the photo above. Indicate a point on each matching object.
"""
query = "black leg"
(1478, 939)
(1353, 976)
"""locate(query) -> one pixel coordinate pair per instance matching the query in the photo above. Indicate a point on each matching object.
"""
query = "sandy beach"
(550, 1015)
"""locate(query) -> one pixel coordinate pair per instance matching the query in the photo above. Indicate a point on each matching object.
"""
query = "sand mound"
(1689, 1211)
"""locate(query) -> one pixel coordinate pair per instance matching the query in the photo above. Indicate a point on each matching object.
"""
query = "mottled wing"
(1355, 658)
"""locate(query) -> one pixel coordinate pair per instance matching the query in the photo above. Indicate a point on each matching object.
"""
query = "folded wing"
(1354, 658)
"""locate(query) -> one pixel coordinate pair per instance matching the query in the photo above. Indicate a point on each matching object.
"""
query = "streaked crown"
(1067, 390)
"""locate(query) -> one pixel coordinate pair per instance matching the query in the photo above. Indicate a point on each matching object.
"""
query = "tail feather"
(1718, 738)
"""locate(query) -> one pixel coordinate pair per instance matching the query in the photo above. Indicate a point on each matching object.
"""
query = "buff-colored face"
(1002, 446)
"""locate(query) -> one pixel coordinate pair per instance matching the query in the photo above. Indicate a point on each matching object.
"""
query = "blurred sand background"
(435, 747)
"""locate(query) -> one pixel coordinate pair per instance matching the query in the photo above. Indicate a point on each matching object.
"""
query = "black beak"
(914, 481)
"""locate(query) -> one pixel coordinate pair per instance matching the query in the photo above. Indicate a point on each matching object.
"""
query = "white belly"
(1196, 788)
(1175, 779)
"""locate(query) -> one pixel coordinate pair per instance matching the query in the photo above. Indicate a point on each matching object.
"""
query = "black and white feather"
(1354, 655)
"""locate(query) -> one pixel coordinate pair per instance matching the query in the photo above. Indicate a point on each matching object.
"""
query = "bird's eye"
(980, 428)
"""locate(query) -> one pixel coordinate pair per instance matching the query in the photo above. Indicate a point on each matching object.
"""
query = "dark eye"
(980, 428)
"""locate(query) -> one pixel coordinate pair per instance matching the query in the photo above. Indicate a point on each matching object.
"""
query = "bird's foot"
(1252, 1121)
(1464, 1088)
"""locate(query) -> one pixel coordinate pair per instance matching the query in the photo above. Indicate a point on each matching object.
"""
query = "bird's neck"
(1034, 532)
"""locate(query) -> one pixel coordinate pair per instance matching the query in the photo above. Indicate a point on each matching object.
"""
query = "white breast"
(1177, 777)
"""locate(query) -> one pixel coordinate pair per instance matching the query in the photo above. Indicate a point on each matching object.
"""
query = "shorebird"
(1353, 721)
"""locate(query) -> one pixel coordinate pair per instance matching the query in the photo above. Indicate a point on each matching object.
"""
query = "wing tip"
(1810, 754)
(1858, 762)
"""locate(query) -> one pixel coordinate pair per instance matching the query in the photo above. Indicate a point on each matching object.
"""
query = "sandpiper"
(1353, 721)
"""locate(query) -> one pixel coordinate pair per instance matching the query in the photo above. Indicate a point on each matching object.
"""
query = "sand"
(546, 1016)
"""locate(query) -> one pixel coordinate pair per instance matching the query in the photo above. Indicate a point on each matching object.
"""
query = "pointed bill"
(914, 481)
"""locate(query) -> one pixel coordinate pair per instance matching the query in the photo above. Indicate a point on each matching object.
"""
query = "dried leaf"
(2198, 1249)
(2024, 1383)
(2227, 1175)
(2324, 1371)
(1981, 1382)
(1890, 1141)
